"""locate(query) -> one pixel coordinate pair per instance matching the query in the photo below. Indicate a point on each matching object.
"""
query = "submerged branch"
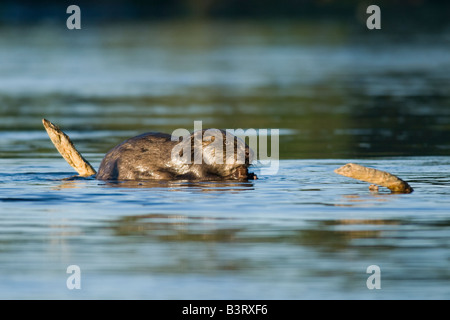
(378, 177)
(66, 148)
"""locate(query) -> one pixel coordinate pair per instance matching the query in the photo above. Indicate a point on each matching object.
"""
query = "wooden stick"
(382, 178)
(66, 148)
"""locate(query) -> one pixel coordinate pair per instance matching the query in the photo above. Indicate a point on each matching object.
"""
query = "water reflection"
(372, 199)
(333, 235)
(180, 228)
(181, 185)
(323, 234)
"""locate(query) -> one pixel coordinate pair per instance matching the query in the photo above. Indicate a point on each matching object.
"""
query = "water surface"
(337, 94)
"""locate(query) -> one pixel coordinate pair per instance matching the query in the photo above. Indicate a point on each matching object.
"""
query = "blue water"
(305, 233)
(336, 95)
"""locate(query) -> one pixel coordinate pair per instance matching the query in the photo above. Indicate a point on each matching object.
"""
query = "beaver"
(209, 154)
(150, 156)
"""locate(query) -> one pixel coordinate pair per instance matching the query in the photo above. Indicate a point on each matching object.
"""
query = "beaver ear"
(207, 140)
(211, 136)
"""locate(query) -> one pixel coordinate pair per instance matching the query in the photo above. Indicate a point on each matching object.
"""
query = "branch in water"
(66, 148)
(378, 177)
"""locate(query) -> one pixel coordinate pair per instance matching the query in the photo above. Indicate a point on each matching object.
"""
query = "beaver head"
(214, 152)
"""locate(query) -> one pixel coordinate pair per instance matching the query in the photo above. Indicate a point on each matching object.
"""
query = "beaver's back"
(138, 158)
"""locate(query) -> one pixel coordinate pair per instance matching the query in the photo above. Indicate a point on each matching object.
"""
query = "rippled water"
(336, 94)
(305, 233)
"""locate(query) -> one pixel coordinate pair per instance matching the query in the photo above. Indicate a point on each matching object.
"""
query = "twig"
(382, 178)
(66, 148)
